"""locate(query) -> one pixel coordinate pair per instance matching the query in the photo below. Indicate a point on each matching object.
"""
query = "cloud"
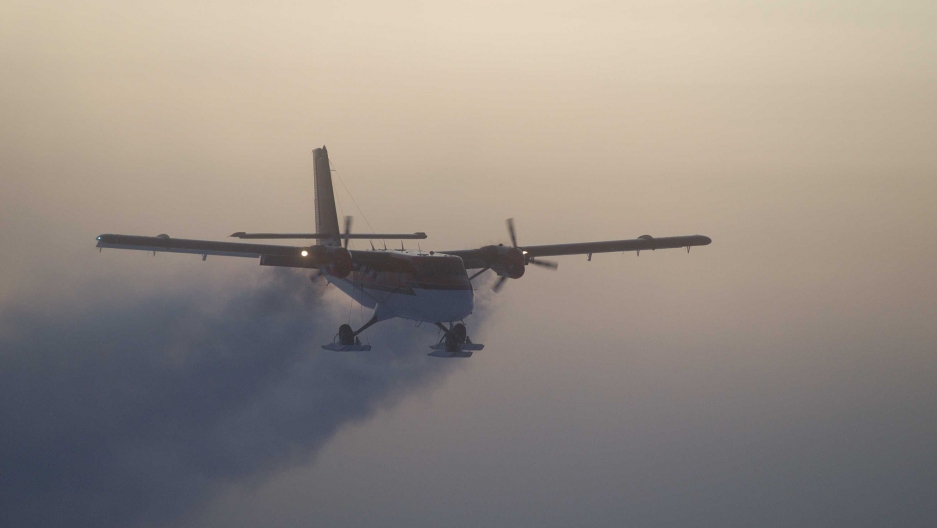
(124, 411)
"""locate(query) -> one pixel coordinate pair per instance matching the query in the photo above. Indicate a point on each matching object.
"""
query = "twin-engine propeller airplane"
(423, 286)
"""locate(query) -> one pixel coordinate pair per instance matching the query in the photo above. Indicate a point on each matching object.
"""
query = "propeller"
(511, 232)
(549, 264)
(348, 220)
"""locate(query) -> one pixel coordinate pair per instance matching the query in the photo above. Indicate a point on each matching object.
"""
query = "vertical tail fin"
(326, 216)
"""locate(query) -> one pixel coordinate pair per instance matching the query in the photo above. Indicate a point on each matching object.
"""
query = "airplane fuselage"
(411, 285)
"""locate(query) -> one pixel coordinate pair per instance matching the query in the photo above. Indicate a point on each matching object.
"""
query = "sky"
(784, 375)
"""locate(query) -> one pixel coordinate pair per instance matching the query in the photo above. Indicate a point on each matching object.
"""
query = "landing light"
(305, 253)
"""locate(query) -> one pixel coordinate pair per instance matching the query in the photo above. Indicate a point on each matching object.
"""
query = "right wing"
(645, 242)
(491, 256)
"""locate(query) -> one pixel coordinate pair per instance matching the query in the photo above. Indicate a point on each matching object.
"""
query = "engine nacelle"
(336, 261)
(505, 261)
(341, 263)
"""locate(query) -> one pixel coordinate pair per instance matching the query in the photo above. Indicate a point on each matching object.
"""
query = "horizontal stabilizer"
(362, 236)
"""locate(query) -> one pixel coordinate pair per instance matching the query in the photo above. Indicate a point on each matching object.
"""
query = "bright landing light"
(305, 253)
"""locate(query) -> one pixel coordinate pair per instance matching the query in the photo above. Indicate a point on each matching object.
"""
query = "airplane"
(424, 286)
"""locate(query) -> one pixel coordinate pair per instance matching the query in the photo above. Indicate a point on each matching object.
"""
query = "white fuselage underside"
(393, 297)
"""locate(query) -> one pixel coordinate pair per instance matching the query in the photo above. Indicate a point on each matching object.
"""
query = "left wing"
(338, 261)
(269, 254)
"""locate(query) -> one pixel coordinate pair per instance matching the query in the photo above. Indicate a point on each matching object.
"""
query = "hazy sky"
(783, 376)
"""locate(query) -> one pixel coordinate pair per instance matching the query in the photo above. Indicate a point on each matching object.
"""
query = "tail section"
(326, 216)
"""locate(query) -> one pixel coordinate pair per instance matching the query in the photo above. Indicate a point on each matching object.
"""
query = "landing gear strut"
(348, 339)
(455, 342)
(455, 337)
(346, 335)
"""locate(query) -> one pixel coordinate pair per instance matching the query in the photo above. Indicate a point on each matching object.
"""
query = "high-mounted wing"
(269, 254)
(338, 261)
(492, 256)
(510, 262)
(645, 242)
(163, 243)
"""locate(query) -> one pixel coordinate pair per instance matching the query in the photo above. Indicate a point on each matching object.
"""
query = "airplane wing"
(645, 242)
(269, 254)
(488, 257)
(313, 257)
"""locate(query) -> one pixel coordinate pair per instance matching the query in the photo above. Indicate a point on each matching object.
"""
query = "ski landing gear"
(347, 340)
(454, 342)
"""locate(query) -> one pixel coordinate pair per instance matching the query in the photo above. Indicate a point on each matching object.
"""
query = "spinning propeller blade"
(549, 264)
(511, 231)
(347, 229)
(542, 263)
